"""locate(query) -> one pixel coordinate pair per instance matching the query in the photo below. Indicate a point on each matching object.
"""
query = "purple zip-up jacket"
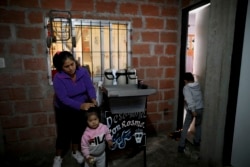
(70, 93)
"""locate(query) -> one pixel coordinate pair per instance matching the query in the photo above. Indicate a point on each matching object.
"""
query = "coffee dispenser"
(132, 78)
(121, 77)
(108, 77)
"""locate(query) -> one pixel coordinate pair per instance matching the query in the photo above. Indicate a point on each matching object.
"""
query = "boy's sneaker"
(78, 156)
(57, 161)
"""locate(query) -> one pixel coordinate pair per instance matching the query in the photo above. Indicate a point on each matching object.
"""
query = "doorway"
(193, 52)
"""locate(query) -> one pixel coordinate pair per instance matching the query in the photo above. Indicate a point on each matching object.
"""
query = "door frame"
(182, 67)
(239, 31)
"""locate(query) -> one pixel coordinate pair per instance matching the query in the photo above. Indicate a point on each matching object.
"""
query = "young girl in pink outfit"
(94, 140)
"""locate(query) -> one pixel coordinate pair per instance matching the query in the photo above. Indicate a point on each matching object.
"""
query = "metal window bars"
(98, 44)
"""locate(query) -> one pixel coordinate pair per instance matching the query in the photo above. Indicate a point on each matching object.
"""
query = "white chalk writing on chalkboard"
(126, 126)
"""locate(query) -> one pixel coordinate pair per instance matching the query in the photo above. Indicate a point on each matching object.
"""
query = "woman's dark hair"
(93, 111)
(188, 76)
(60, 57)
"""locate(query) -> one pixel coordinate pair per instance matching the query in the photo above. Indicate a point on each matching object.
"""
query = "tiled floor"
(161, 152)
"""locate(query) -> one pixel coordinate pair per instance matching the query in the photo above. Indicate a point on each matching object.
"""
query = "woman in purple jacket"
(74, 93)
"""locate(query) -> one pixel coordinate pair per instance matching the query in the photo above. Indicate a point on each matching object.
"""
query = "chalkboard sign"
(126, 128)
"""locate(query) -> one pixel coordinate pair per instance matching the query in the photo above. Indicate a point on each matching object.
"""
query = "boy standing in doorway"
(194, 108)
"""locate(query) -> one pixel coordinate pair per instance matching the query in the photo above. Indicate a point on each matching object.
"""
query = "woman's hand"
(94, 101)
(86, 106)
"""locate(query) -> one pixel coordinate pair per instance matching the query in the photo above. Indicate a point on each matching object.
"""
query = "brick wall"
(26, 112)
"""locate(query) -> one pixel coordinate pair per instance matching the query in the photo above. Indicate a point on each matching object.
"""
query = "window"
(96, 44)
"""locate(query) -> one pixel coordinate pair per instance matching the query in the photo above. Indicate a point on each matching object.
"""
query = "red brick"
(50, 93)
(169, 116)
(15, 122)
(172, 24)
(6, 81)
(16, 63)
(170, 72)
(136, 36)
(26, 78)
(12, 16)
(167, 84)
(149, 61)
(152, 107)
(109, 7)
(36, 92)
(150, 10)
(35, 64)
(152, 83)
(45, 144)
(150, 36)
(86, 6)
(47, 105)
(35, 17)
(156, 1)
(159, 49)
(163, 105)
(29, 32)
(33, 133)
(20, 148)
(39, 119)
(30, 106)
(155, 117)
(52, 119)
(165, 127)
(10, 135)
(169, 94)
(156, 96)
(154, 72)
(13, 94)
(36, 133)
(136, 23)
(140, 73)
(48, 4)
(4, 2)
(40, 50)
(26, 3)
(51, 131)
(173, 2)
(167, 61)
(154, 23)
(170, 11)
(140, 49)
(169, 37)
(6, 108)
(129, 8)
(5, 32)
(135, 62)
(171, 49)
(21, 48)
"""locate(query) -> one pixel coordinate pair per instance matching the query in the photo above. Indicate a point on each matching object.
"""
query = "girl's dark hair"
(60, 57)
(93, 110)
(188, 76)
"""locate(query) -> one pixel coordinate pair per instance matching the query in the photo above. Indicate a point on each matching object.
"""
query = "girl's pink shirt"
(93, 140)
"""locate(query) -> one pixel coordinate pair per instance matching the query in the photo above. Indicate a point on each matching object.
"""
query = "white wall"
(200, 51)
(241, 145)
